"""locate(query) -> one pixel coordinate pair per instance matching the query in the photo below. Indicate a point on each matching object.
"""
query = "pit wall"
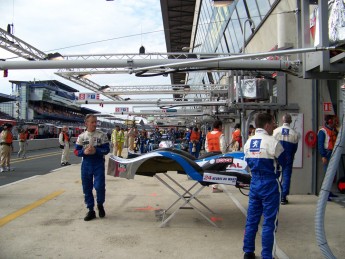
(37, 144)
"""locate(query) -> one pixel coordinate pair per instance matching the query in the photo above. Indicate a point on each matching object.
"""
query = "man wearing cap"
(6, 139)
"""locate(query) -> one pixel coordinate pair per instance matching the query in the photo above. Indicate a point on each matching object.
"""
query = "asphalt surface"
(42, 217)
(38, 162)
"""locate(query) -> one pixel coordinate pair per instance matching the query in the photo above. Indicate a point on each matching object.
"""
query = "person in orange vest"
(236, 139)
(194, 142)
(215, 141)
(6, 139)
(23, 136)
(326, 138)
(64, 139)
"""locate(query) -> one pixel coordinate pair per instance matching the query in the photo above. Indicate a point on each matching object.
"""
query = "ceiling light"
(104, 87)
(54, 56)
(189, 48)
(222, 3)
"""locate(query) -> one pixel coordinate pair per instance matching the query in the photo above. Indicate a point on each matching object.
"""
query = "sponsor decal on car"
(218, 178)
(224, 160)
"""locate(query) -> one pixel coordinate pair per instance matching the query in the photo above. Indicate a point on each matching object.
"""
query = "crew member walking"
(64, 139)
(288, 138)
(92, 145)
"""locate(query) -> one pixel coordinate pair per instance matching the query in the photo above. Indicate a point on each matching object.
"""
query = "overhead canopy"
(6, 98)
(85, 111)
(50, 83)
(178, 18)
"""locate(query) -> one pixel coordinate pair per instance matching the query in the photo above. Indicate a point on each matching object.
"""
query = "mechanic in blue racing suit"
(289, 138)
(262, 151)
(92, 145)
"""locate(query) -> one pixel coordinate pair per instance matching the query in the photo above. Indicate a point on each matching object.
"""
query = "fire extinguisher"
(310, 139)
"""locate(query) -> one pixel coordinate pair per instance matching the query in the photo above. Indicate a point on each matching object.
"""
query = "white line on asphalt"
(9, 184)
(279, 252)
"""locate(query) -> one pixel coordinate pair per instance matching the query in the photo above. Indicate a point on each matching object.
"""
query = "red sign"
(327, 107)
(88, 96)
(121, 109)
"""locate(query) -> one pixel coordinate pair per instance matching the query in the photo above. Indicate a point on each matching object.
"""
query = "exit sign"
(327, 107)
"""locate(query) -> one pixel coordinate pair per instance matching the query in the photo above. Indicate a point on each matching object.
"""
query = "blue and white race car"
(211, 168)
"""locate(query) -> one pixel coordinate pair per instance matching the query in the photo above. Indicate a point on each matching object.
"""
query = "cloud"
(70, 26)
(57, 24)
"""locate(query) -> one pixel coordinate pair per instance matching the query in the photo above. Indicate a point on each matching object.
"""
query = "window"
(264, 7)
(254, 11)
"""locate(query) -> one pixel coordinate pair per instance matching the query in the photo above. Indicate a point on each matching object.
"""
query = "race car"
(211, 168)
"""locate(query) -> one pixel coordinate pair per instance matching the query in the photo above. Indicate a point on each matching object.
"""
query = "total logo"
(235, 165)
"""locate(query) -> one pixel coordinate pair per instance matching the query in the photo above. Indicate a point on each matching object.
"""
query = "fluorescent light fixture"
(104, 87)
(54, 56)
(84, 76)
(222, 3)
(188, 48)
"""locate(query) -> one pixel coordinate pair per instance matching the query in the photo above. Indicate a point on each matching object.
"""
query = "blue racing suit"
(261, 153)
(288, 138)
(92, 167)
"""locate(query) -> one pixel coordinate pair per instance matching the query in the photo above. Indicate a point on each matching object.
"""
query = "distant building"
(44, 100)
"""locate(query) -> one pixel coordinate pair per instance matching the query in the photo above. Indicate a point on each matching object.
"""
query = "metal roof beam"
(139, 65)
(25, 50)
(19, 47)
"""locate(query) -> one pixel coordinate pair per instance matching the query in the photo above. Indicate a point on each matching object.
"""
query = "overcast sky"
(67, 26)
